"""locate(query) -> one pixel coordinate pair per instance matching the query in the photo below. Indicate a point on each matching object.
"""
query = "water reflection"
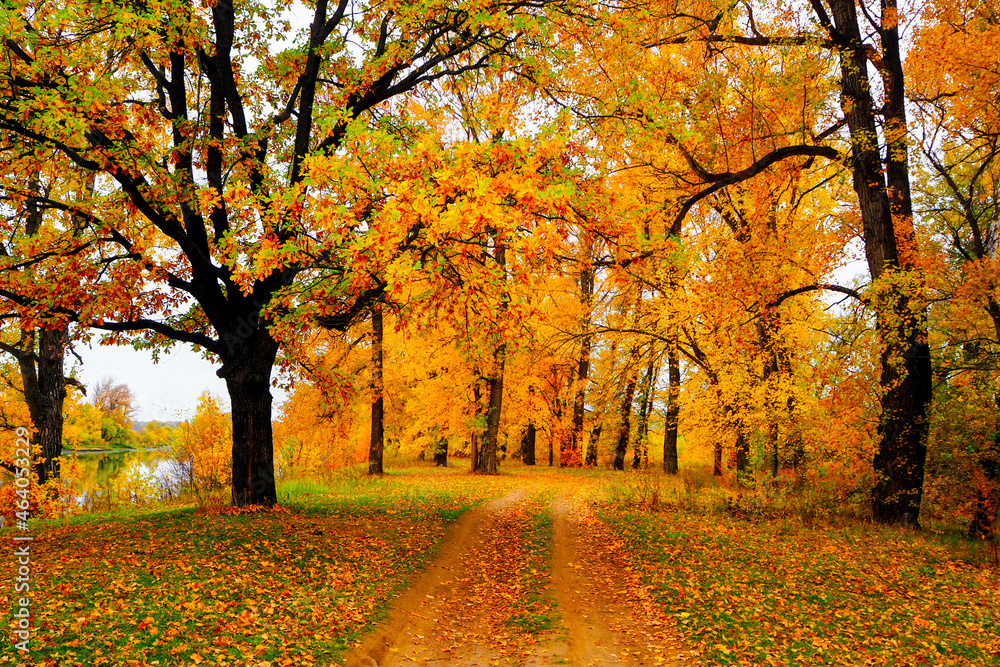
(97, 470)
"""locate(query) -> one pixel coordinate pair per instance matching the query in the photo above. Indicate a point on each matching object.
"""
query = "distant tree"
(201, 447)
(158, 434)
(114, 399)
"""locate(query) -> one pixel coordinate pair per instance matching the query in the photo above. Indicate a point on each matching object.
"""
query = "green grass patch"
(539, 614)
(776, 592)
(296, 585)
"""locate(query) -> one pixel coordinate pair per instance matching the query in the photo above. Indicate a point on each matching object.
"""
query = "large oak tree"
(206, 125)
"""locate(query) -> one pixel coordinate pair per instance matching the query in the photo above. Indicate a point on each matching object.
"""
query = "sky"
(165, 391)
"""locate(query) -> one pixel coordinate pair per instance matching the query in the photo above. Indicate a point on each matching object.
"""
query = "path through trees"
(485, 598)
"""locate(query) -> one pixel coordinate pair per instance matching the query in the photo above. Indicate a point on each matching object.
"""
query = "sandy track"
(448, 616)
(609, 616)
(438, 619)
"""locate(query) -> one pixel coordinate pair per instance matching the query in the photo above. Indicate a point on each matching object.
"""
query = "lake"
(97, 469)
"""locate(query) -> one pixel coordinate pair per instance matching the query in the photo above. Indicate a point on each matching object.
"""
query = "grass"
(539, 614)
(297, 585)
(760, 580)
(770, 589)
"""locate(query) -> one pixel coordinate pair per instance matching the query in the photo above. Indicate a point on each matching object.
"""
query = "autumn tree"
(201, 448)
(955, 79)
(40, 341)
(115, 399)
(209, 128)
(754, 53)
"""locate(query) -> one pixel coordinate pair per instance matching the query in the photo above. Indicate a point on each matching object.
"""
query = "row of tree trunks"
(640, 445)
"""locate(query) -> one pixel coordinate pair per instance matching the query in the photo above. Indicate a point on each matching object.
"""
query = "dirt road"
(485, 601)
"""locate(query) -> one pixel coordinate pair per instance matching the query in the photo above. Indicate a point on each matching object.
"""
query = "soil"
(457, 611)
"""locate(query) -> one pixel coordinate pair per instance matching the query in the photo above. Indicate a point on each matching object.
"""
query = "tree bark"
(488, 451)
(640, 456)
(673, 411)
(582, 369)
(626, 423)
(376, 446)
(528, 445)
(44, 385)
(595, 438)
(883, 191)
(248, 378)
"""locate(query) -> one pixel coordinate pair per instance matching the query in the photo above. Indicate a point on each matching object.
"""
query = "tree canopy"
(763, 233)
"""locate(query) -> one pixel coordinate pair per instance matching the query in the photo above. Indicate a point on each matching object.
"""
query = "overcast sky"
(166, 391)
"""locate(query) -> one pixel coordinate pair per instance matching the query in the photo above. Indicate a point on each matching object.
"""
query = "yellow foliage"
(203, 448)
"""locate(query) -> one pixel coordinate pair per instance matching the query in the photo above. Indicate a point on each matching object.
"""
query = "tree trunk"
(44, 392)
(985, 497)
(595, 438)
(640, 457)
(986, 489)
(742, 456)
(474, 437)
(717, 460)
(774, 450)
(626, 424)
(773, 369)
(40, 357)
(248, 378)
(488, 451)
(441, 453)
(673, 412)
(376, 447)
(582, 370)
(902, 450)
(528, 445)
(883, 190)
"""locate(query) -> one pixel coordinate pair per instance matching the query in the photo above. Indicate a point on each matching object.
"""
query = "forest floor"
(535, 566)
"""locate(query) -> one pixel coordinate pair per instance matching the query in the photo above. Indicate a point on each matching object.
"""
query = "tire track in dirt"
(609, 616)
(456, 612)
(446, 616)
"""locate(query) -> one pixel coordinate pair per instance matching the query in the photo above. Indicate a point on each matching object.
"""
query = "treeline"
(764, 234)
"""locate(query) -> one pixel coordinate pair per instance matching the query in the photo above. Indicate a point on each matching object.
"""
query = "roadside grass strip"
(776, 593)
